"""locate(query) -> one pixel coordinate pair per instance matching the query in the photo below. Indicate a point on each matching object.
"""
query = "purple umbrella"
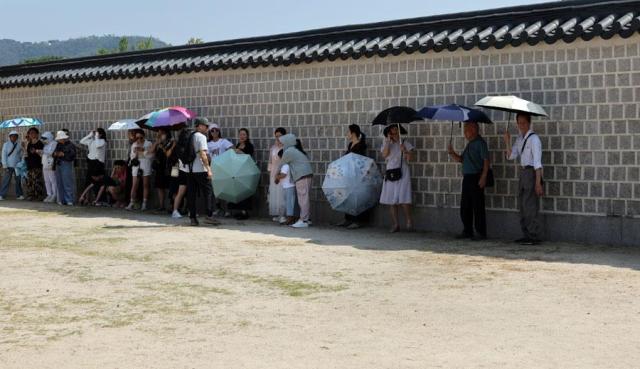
(174, 118)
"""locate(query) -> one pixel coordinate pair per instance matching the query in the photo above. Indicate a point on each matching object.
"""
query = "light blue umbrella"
(235, 176)
(352, 184)
(20, 122)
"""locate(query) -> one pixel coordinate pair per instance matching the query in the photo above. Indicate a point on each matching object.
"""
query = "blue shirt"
(474, 156)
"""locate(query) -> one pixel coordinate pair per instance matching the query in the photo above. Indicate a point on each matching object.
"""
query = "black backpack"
(184, 147)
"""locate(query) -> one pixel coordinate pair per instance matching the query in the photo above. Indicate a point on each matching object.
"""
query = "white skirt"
(398, 192)
(276, 199)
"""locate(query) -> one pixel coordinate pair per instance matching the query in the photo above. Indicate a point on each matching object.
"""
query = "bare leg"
(394, 218)
(161, 195)
(179, 196)
(134, 188)
(407, 215)
(145, 188)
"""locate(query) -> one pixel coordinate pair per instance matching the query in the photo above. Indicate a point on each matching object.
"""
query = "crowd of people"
(179, 162)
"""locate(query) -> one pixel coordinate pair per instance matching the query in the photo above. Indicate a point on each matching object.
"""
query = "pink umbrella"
(173, 117)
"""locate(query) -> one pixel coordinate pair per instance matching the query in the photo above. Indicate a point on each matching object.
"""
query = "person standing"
(140, 156)
(301, 174)
(163, 148)
(475, 168)
(528, 148)
(65, 155)
(396, 188)
(48, 170)
(217, 146)
(195, 163)
(34, 182)
(244, 146)
(357, 145)
(276, 197)
(11, 157)
(96, 141)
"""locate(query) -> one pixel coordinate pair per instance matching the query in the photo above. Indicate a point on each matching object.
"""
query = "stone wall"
(591, 90)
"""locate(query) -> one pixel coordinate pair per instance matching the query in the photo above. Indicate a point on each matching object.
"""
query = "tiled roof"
(497, 28)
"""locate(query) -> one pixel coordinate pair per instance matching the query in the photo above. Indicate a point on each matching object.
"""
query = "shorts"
(145, 167)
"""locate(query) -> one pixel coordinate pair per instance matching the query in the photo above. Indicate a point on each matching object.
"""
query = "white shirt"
(532, 153)
(97, 147)
(199, 144)
(286, 181)
(216, 148)
(145, 157)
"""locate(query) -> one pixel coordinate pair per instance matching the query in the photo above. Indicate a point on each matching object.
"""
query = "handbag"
(395, 174)
(175, 171)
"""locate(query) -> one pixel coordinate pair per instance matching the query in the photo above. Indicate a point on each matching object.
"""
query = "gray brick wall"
(591, 90)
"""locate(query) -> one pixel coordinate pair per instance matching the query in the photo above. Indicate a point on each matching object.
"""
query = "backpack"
(184, 148)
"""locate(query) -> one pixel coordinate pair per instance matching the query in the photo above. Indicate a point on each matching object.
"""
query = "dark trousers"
(360, 219)
(528, 204)
(198, 183)
(472, 211)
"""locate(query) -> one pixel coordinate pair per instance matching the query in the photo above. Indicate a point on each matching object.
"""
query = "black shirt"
(248, 148)
(103, 181)
(360, 148)
(34, 161)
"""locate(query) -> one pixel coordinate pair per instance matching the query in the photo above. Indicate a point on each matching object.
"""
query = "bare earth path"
(99, 288)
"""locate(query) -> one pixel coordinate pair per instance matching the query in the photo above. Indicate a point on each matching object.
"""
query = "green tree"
(41, 59)
(123, 45)
(145, 44)
(195, 41)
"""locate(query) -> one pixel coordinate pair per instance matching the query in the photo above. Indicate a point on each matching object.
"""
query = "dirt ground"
(101, 288)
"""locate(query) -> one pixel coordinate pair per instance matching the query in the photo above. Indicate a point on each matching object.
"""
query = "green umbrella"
(235, 176)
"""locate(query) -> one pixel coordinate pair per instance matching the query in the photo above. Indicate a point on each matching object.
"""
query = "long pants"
(50, 182)
(472, 208)
(6, 180)
(197, 182)
(290, 201)
(528, 204)
(34, 184)
(65, 181)
(303, 189)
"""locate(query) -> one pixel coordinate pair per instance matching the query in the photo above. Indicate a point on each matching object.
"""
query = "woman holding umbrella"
(357, 145)
(244, 146)
(396, 189)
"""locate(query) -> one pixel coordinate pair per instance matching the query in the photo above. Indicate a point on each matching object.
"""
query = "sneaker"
(227, 214)
(353, 226)
(1, 198)
(144, 206)
(309, 222)
(69, 204)
(47, 199)
(276, 219)
(194, 222)
(282, 220)
(20, 198)
(176, 215)
(210, 220)
(300, 224)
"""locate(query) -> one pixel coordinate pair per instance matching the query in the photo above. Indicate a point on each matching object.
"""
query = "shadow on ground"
(372, 239)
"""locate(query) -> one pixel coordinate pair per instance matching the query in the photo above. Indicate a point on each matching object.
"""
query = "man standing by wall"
(528, 148)
(198, 172)
(475, 168)
(11, 156)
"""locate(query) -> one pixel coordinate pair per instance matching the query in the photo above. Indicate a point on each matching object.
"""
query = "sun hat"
(61, 135)
(47, 136)
(214, 125)
(14, 133)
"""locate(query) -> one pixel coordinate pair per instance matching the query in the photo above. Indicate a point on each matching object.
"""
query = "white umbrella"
(123, 125)
(512, 104)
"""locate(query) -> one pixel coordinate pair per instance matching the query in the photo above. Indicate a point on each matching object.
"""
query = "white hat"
(12, 133)
(47, 136)
(61, 135)
(214, 125)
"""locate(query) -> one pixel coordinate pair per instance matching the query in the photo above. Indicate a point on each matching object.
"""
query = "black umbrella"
(396, 115)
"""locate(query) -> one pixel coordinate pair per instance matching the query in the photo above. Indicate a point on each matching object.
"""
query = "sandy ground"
(100, 288)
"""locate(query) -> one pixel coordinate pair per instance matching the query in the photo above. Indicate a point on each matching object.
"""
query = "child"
(119, 177)
(289, 188)
(48, 171)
